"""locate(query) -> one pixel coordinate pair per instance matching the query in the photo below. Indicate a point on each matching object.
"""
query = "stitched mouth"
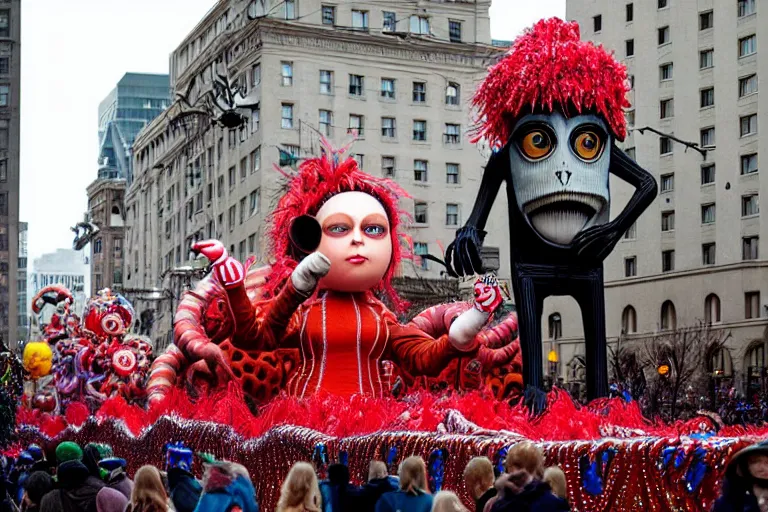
(560, 217)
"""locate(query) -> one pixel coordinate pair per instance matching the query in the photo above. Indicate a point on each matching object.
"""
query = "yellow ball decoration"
(38, 359)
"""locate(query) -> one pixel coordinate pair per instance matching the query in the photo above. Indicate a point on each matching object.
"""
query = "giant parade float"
(309, 357)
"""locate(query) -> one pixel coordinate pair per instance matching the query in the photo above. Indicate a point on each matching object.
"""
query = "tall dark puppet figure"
(552, 109)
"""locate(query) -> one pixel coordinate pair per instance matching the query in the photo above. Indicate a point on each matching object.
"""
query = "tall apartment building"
(21, 286)
(699, 252)
(10, 85)
(399, 76)
(137, 99)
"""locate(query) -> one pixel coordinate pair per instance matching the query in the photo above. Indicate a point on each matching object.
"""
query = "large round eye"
(588, 145)
(536, 144)
(375, 230)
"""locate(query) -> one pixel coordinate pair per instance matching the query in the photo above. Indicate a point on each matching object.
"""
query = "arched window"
(577, 377)
(555, 326)
(452, 92)
(720, 363)
(629, 320)
(712, 309)
(668, 316)
(755, 365)
(116, 220)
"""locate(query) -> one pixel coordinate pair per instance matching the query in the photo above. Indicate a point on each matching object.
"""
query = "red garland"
(549, 67)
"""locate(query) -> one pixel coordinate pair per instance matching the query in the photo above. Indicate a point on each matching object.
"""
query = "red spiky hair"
(548, 68)
(316, 181)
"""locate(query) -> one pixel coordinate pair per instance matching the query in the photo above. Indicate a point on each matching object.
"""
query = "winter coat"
(482, 500)
(226, 491)
(120, 482)
(185, 489)
(77, 490)
(737, 494)
(368, 495)
(535, 497)
(110, 500)
(402, 501)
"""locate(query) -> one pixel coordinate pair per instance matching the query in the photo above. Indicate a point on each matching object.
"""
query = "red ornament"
(124, 362)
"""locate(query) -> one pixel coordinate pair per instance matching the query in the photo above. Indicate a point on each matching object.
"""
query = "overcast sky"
(73, 54)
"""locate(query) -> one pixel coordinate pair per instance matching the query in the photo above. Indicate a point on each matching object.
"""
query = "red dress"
(342, 337)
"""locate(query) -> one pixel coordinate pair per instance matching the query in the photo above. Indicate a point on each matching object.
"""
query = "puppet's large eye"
(536, 144)
(587, 144)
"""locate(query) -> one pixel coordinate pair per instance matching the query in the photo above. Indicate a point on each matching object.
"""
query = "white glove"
(466, 327)
(309, 271)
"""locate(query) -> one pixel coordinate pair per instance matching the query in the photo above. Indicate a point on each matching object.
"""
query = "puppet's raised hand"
(462, 257)
(229, 271)
(597, 242)
(464, 329)
(309, 271)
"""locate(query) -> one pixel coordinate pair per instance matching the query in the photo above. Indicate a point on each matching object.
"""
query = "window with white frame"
(287, 116)
(630, 116)
(663, 35)
(665, 71)
(290, 9)
(388, 166)
(420, 25)
(749, 163)
(745, 8)
(708, 253)
(326, 81)
(751, 305)
(706, 59)
(389, 21)
(748, 125)
(708, 136)
(355, 127)
(287, 73)
(420, 213)
(256, 75)
(256, 159)
(419, 92)
(255, 120)
(454, 31)
(706, 20)
(452, 174)
(707, 174)
(666, 108)
(419, 130)
(360, 159)
(388, 127)
(4, 94)
(747, 85)
(631, 233)
(451, 214)
(452, 93)
(420, 168)
(329, 15)
(388, 88)
(667, 182)
(708, 213)
(668, 220)
(749, 247)
(668, 261)
(749, 205)
(326, 122)
(707, 97)
(452, 133)
(630, 266)
(747, 45)
(356, 85)
(359, 19)
(420, 249)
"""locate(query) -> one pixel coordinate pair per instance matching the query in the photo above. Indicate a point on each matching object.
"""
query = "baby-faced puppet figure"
(323, 303)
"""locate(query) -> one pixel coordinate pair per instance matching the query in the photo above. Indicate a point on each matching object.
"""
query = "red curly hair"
(548, 68)
(316, 181)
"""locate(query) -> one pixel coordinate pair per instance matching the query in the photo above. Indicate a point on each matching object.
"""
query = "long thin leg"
(591, 299)
(529, 308)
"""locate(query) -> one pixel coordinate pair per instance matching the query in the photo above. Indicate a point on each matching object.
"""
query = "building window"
(252, 244)
(749, 163)
(706, 20)
(326, 121)
(630, 116)
(388, 127)
(663, 35)
(749, 205)
(631, 233)
(454, 31)
(96, 243)
(452, 93)
(629, 46)
(420, 249)
(242, 210)
(356, 85)
(662, 4)
(390, 21)
(747, 45)
(420, 25)
(452, 174)
(451, 214)
(420, 170)
(629, 320)
(388, 166)
(329, 15)
(752, 305)
(4, 94)
(597, 23)
(707, 97)
(388, 88)
(287, 116)
(749, 248)
(630, 12)
(708, 254)
(708, 213)
(712, 309)
(232, 217)
(746, 7)
(326, 81)
(3, 134)
(289, 155)
(355, 127)
(419, 92)
(5, 23)
(630, 152)
(707, 174)
(630, 266)
(748, 125)
(255, 120)
(706, 59)
(232, 177)
(243, 168)
(420, 130)
(668, 316)
(452, 133)
(5, 65)
(668, 261)
(708, 136)
(631, 79)
(747, 85)
(665, 71)
(256, 75)
(665, 146)
(667, 182)
(220, 187)
(254, 201)
(420, 213)
(360, 19)
(360, 159)
(666, 108)
(290, 9)
(287, 73)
